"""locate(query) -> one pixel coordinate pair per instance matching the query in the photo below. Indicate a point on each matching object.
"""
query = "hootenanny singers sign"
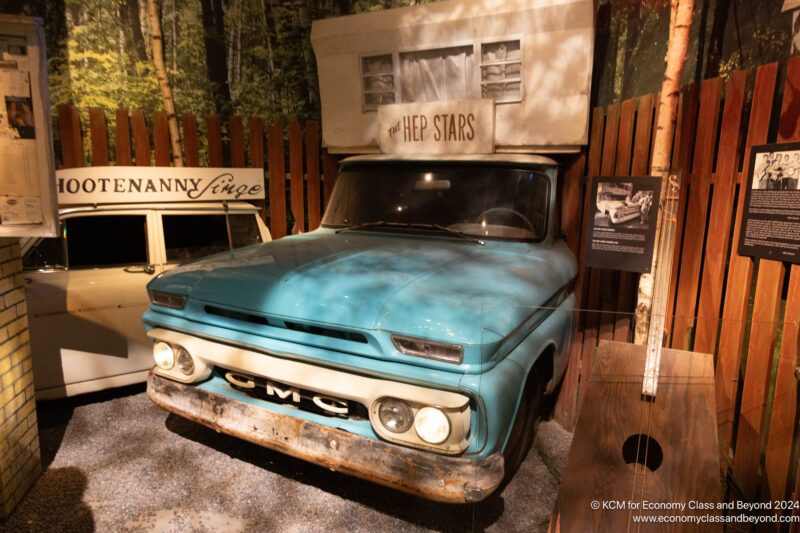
(448, 127)
(111, 184)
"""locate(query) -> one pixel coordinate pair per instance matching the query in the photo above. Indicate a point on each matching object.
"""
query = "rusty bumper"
(432, 476)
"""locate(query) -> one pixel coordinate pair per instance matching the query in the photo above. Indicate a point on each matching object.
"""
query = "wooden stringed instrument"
(646, 438)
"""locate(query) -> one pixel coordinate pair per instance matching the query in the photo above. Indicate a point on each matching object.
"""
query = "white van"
(86, 288)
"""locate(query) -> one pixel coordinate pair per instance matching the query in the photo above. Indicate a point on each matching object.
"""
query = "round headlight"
(185, 362)
(432, 425)
(164, 356)
(395, 415)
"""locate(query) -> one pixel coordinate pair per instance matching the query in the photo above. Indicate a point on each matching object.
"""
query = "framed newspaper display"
(27, 186)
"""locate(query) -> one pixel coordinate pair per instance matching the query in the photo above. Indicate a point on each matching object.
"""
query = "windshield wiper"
(363, 225)
(420, 225)
(442, 228)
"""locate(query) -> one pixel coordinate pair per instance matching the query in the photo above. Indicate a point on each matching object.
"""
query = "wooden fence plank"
(625, 292)
(564, 410)
(161, 145)
(312, 171)
(719, 224)
(627, 116)
(257, 159)
(296, 176)
(683, 145)
(766, 307)
(784, 406)
(214, 137)
(608, 279)
(740, 271)
(237, 142)
(191, 144)
(69, 129)
(122, 135)
(141, 140)
(330, 168)
(696, 214)
(277, 180)
(99, 136)
(585, 288)
(641, 143)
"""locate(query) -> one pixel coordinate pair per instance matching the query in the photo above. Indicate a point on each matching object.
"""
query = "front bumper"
(430, 475)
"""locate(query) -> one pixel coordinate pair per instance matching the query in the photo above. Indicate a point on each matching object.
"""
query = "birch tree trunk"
(163, 81)
(680, 21)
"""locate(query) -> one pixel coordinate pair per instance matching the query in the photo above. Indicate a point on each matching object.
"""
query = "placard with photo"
(621, 230)
(771, 214)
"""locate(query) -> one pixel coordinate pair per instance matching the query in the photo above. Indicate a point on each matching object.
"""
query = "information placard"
(771, 214)
(621, 230)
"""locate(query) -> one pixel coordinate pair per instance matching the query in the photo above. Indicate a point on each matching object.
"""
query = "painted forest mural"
(245, 57)
(254, 57)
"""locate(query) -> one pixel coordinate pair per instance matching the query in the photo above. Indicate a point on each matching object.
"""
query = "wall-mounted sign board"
(27, 189)
(621, 231)
(119, 185)
(771, 214)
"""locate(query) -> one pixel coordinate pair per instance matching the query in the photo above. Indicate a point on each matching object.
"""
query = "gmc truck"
(409, 340)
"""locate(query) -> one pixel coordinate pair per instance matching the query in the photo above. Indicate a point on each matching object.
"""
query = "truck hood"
(439, 288)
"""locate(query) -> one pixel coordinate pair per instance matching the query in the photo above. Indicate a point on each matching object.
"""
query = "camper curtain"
(431, 75)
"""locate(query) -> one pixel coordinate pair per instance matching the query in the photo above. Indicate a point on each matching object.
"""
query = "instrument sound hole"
(644, 450)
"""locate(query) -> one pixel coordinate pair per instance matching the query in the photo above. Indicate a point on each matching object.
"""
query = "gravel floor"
(116, 462)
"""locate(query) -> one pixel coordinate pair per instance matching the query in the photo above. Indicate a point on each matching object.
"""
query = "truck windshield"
(479, 200)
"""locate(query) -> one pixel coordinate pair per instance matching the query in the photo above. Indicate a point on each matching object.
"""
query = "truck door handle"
(140, 269)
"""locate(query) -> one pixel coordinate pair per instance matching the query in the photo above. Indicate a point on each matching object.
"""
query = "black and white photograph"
(617, 205)
(777, 171)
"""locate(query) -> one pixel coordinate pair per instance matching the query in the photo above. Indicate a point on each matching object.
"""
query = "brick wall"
(20, 462)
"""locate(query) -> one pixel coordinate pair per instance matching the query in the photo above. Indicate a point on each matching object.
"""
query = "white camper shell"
(531, 60)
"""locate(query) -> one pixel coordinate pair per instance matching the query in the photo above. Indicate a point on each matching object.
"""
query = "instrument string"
(656, 331)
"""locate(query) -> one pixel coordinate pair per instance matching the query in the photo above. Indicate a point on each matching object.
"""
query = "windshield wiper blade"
(419, 225)
(364, 225)
(445, 229)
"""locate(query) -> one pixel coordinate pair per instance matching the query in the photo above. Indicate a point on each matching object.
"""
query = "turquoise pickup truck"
(408, 341)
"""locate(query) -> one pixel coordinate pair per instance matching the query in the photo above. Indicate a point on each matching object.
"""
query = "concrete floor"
(116, 462)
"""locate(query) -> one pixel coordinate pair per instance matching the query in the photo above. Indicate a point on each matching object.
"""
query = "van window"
(106, 241)
(244, 230)
(46, 254)
(192, 236)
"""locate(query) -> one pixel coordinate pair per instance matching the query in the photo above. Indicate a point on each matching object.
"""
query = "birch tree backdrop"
(245, 57)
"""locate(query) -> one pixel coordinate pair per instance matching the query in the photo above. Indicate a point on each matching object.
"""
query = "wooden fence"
(136, 144)
(746, 311)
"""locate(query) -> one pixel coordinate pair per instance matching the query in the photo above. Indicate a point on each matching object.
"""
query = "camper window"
(377, 80)
(500, 71)
(441, 74)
